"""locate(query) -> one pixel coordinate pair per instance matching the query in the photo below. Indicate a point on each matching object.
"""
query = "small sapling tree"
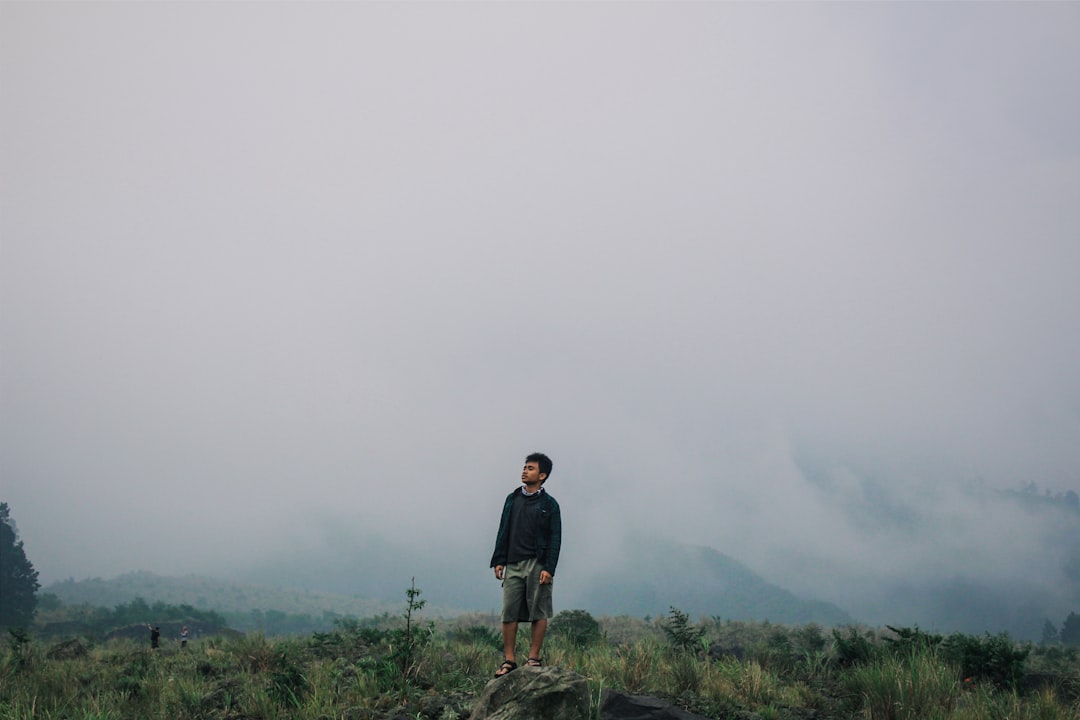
(406, 643)
(681, 632)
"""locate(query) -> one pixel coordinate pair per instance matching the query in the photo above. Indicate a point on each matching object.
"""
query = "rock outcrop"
(545, 693)
(616, 705)
(67, 650)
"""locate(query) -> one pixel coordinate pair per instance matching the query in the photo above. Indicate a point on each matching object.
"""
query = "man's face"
(531, 475)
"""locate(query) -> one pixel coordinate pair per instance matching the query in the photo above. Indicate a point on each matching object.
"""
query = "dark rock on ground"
(615, 705)
(546, 693)
(67, 650)
(444, 707)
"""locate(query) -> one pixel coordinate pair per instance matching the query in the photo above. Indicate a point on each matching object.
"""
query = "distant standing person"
(155, 636)
(526, 553)
(183, 637)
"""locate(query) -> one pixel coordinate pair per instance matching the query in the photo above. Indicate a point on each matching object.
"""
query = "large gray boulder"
(615, 705)
(528, 693)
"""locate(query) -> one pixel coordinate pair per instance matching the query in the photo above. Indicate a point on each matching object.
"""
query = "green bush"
(808, 638)
(352, 639)
(995, 659)
(992, 658)
(852, 647)
(908, 640)
(1054, 659)
(577, 627)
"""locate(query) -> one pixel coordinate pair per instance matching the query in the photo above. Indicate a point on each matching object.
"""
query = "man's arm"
(551, 560)
(502, 543)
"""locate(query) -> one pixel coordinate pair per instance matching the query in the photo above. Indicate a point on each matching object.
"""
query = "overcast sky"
(740, 269)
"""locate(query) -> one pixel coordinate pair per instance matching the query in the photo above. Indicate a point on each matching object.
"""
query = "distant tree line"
(1030, 495)
(1068, 635)
(96, 621)
(89, 620)
(139, 612)
(276, 622)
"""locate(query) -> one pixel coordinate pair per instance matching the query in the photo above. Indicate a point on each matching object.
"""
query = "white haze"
(749, 273)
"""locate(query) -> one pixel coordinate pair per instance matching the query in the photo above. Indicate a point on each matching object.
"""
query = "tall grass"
(910, 686)
(1043, 705)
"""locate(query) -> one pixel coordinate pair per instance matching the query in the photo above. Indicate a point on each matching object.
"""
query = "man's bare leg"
(509, 640)
(539, 629)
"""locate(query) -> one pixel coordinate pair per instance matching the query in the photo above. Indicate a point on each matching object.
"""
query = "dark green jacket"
(548, 535)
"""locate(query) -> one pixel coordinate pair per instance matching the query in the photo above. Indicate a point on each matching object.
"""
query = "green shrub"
(808, 638)
(911, 639)
(577, 627)
(852, 647)
(22, 652)
(351, 639)
(680, 632)
(1054, 659)
(994, 659)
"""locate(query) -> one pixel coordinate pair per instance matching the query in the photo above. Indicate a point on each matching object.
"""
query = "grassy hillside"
(718, 669)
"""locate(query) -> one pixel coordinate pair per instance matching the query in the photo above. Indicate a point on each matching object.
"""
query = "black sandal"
(535, 662)
(506, 668)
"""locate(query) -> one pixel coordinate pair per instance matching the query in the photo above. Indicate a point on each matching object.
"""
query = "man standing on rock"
(526, 553)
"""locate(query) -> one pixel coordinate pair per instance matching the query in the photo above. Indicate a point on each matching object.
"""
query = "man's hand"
(498, 572)
(545, 577)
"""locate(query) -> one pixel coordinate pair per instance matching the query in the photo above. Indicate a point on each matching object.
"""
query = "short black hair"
(543, 461)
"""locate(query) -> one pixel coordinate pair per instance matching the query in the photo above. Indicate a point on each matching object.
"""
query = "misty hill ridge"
(700, 581)
(646, 577)
(638, 576)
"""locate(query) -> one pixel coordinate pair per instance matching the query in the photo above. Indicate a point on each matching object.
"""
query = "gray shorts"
(524, 598)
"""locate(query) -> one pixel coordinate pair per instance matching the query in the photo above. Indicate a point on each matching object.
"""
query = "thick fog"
(798, 282)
